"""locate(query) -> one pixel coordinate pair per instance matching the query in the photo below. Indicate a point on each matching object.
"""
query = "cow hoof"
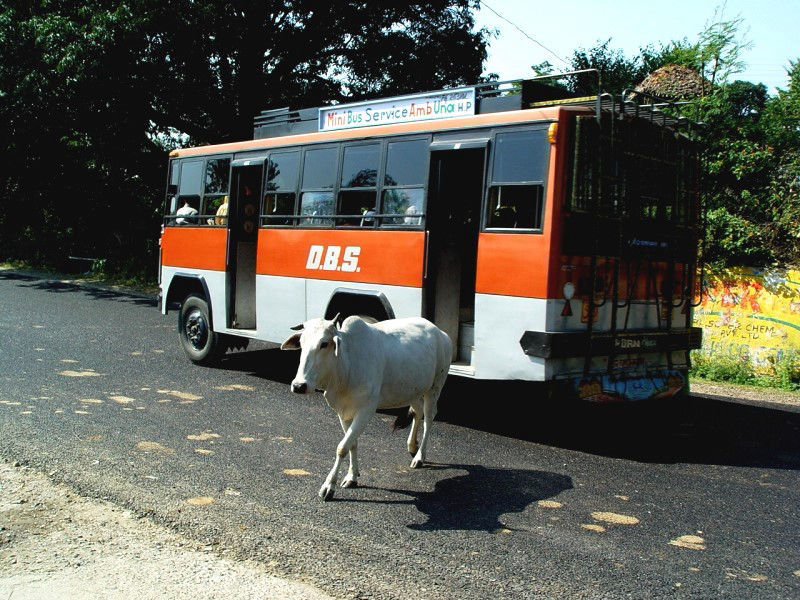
(349, 483)
(326, 492)
(416, 463)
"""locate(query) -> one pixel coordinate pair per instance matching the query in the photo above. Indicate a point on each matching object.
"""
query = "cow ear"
(337, 345)
(292, 342)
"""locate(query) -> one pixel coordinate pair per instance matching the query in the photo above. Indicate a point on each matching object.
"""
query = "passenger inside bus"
(412, 217)
(504, 216)
(185, 214)
(368, 217)
(221, 216)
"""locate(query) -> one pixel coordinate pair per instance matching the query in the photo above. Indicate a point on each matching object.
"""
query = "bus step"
(462, 368)
(466, 342)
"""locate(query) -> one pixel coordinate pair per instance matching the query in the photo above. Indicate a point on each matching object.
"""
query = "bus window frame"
(379, 218)
(422, 216)
(204, 217)
(173, 166)
(294, 218)
(201, 220)
(333, 189)
(490, 182)
(381, 144)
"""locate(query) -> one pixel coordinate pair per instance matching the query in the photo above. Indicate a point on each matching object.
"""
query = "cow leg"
(429, 410)
(413, 446)
(351, 479)
(345, 446)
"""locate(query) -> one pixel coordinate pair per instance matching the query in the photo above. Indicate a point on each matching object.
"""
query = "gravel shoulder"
(55, 544)
(746, 394)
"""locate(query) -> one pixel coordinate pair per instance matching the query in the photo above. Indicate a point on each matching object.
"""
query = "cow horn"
(336, 318)
(297, 327)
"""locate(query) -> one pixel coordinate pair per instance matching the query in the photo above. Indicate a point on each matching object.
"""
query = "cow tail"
(403, 420)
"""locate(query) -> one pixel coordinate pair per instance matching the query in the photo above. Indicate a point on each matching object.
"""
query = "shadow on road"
(693, 430)
(62, 287)
(271, 363)
(475, 500)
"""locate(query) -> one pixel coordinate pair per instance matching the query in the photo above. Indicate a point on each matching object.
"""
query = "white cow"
(362, 367)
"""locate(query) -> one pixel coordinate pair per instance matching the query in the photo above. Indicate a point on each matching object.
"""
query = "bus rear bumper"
(642, 379)
(573, 344)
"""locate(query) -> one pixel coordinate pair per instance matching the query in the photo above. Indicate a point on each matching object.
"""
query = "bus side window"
(358, 191)
(516, 191)
(172, 187)
(215, 194)
(403, 193)
(190, 188)
(319, 177)
(280, 188)
(515, 206)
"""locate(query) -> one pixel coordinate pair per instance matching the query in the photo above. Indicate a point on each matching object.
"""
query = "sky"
(561, 26)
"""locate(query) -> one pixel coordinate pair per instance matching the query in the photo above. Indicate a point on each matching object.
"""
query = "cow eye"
(323, 345)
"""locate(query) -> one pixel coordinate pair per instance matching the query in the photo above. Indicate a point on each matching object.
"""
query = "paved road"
(695, 500)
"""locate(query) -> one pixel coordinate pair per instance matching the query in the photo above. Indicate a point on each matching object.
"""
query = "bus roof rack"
(285, 121)
(514, 94)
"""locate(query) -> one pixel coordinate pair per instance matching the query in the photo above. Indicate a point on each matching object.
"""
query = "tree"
(229, 60)
(752, 177)
(93, 93)
(617, 72)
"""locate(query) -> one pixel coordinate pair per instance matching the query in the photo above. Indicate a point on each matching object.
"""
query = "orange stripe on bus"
(194, 247)
(378, 257)
(513, 264)
(486, 120)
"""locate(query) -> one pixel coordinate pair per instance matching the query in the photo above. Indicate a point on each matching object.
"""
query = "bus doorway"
(243, 214)
(453, 222)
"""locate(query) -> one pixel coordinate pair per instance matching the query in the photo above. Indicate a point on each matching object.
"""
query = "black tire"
(202, 345)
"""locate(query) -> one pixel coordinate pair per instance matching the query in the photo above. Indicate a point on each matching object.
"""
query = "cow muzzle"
(299, 388)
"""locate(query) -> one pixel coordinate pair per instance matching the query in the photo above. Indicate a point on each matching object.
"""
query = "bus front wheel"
(202, 345)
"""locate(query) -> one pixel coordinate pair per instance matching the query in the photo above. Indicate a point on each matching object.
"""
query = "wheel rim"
(196, 329)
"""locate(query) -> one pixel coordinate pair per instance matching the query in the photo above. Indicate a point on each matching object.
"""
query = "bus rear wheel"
(202, 345)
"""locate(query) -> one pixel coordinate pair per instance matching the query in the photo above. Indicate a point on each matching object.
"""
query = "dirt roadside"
(57, 545)
(746, 394)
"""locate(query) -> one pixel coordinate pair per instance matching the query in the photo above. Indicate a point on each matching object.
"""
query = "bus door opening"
(454, 212)
(243, 216)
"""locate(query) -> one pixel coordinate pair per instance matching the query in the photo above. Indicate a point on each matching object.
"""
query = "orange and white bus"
(554, 239)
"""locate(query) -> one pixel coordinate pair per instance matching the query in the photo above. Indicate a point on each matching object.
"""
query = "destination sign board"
(402, 109)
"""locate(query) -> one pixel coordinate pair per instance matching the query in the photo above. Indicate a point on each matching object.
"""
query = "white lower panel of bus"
(214, 282)
(287, 301)
(500, 322)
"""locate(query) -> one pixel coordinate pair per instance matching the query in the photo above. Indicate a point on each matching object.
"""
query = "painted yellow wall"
(751, 312)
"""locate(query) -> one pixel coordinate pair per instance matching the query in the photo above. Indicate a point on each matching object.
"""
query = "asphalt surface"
(522, 499)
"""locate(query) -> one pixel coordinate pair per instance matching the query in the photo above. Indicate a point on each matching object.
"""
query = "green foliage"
(617, 72)
(719, 49)
(729, 369)
(751, 166)
(784, 372)
(752, 174)
(787, 371)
